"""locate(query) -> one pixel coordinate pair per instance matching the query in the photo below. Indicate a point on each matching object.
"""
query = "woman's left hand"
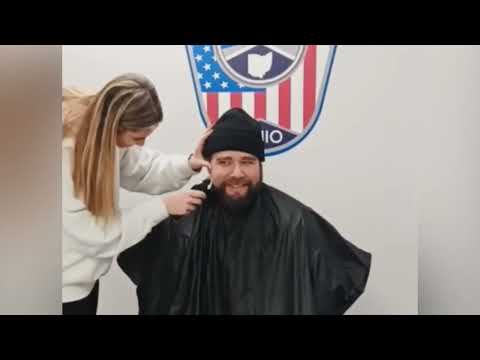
(197, 161)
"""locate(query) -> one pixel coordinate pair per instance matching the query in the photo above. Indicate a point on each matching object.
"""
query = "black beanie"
(235, 130)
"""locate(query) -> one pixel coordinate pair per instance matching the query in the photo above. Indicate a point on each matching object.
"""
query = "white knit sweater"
(88, 248)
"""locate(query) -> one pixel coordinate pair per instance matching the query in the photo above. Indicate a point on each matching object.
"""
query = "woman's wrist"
(196, 169)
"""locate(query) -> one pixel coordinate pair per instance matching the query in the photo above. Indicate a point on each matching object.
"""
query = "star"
(199, 57)
(207, 85)
(206, 48)
(224, 84)
(207, 67)
(216, 76)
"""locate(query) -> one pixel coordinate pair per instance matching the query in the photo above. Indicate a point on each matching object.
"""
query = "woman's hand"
(197, 160)
(183, 203)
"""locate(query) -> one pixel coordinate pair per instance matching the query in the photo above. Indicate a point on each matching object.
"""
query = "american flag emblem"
(282, 86)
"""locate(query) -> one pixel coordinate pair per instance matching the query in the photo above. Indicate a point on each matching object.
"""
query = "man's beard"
(237, 206)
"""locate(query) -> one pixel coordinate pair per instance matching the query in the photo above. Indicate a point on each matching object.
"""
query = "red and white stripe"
(289, 104)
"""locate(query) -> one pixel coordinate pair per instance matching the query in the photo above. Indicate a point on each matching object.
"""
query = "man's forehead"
(233, 154)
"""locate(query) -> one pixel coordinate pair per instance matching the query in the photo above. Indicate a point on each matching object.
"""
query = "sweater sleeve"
(102, 240)
(148, 171)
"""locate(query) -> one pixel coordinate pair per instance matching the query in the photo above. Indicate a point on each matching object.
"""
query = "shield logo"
(282, 86)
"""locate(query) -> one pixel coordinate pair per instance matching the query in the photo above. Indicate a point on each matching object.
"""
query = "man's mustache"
(237, 181)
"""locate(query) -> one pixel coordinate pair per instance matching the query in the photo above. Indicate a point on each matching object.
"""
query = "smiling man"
(249, 249)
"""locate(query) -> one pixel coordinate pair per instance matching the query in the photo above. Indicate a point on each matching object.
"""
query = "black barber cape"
(280, 258)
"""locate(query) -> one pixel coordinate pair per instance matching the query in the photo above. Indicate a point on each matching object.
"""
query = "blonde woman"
(103, 134)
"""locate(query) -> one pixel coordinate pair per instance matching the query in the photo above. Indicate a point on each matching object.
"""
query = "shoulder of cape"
(285, 199)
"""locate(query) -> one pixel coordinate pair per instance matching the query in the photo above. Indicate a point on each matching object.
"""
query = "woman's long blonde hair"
(128, 102)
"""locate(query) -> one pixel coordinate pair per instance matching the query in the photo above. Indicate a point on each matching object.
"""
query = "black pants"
(85, 306)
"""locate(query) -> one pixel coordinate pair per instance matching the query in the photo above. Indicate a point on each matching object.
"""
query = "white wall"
(449, 180)
(361, 167)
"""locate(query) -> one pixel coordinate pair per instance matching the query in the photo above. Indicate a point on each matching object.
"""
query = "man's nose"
(237, 171)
